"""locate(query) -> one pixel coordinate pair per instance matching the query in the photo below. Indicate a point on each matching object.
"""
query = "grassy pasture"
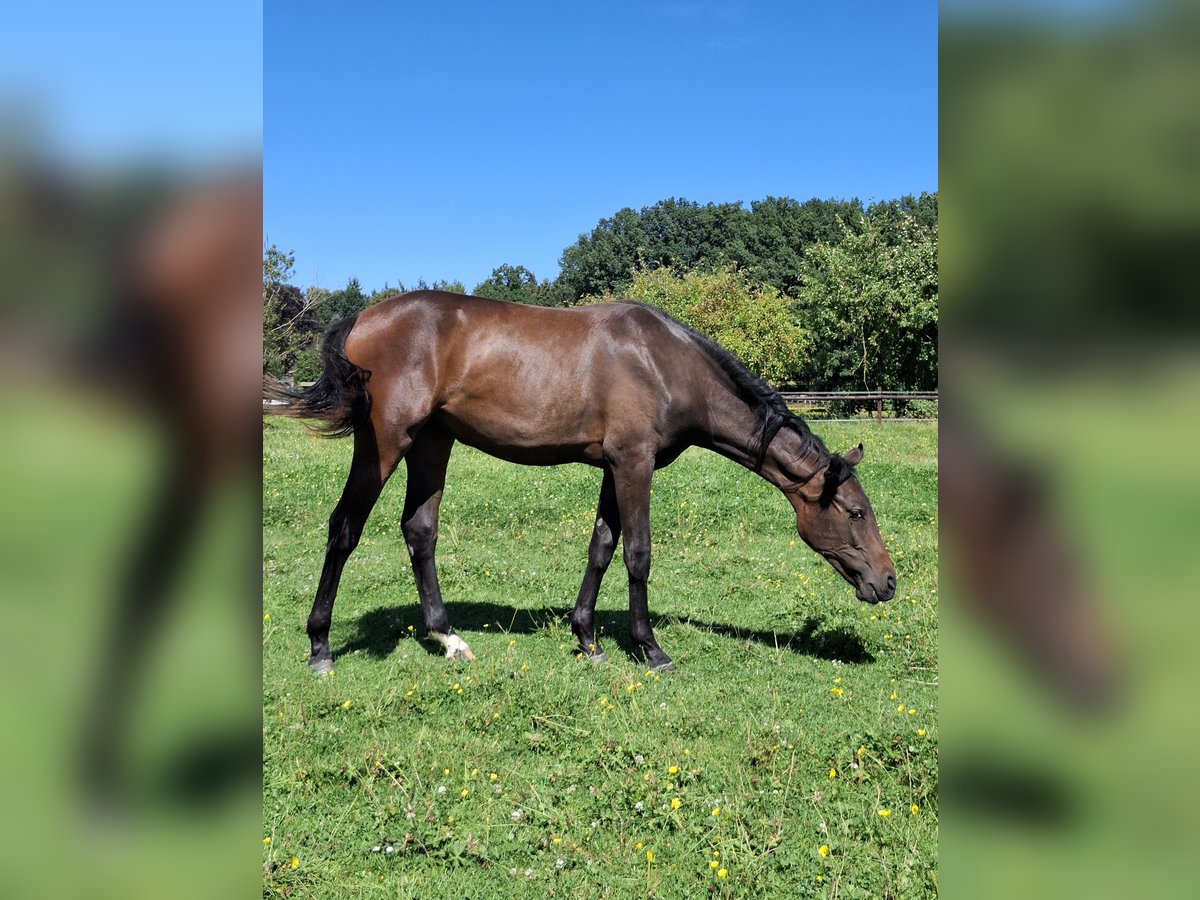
(794, 752)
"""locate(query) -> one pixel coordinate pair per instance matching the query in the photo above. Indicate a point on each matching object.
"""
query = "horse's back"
(531, 384)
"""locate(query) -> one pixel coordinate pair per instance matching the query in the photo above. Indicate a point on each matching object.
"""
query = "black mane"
(769, 408)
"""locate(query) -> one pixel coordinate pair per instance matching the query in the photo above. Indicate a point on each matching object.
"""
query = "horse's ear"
(854, 457)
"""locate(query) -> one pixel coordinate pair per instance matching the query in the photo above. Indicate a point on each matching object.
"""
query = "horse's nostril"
(891, 582)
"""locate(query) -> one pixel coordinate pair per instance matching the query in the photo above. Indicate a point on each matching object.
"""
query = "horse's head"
(834, 517)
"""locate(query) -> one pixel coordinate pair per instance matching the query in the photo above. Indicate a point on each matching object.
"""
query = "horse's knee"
(421, 538)
(637, 560)
(344, 532)
(600, 551)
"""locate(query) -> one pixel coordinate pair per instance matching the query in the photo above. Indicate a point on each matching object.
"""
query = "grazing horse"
(620, 386)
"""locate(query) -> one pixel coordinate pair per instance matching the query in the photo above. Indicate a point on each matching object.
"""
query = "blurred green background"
(1070, 169)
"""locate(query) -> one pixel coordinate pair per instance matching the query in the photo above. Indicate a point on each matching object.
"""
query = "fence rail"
(800, 398)
(795, 398)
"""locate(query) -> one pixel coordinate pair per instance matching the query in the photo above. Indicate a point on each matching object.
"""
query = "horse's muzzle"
(877, 593)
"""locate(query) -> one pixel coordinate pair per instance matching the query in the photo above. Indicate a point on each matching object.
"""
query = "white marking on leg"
(456, 647)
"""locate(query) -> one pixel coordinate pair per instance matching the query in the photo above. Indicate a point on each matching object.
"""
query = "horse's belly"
(528, 440)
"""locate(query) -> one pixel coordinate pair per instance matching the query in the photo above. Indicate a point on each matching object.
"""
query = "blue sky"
(406, 140)
(125, 82)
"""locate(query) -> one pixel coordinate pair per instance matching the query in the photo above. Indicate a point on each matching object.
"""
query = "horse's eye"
(856, 513)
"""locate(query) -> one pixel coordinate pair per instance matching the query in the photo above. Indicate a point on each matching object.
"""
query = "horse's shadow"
(379, 631)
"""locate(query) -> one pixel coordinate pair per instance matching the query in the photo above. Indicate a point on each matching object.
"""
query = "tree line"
(821, 294)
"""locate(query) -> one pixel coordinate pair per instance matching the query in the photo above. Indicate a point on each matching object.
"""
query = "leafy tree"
(778, 231)
(519, 285)
(453, 287)
(752, 321)
(767, 240)
(872, 307)
(288, 318)
(349, 301)
(890, 214)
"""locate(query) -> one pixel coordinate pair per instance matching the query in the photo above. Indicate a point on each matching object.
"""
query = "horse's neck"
(732, 431)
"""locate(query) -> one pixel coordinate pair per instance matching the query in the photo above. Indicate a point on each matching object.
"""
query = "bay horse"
(619, 386)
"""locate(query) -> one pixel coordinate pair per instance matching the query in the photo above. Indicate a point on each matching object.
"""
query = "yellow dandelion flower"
(900, 708)
(716, 811)
(524, 667)
(346, 704)
(266, 840)
(716, 854)
(492, 776)
(895, 696)
(474, 773)
(721, 873)
(915, 809)
(676, 803)
(266, 617)
(838, 680)
(558, 840)
(463, 793)
(649, 856)
(833, 773)
(820, 879)
(862, 750)
(450, 821)
(920, 732)
(823, 850)
(445, 773)
(637, 846)
(713, 864)
(410, 628)
(295, 862)
(885, 812)
(671, 770)
(512, 643)
(911, 711)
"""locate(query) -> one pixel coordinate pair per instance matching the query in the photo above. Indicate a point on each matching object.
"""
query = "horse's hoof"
(663, 668)
(598, 659)
(321, 666)
(463, 652)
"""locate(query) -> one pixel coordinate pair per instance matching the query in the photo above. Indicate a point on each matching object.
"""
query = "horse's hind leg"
(600, 554)
(427, 461)
(368, 472)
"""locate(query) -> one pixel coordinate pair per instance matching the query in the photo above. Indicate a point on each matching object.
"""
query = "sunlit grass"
(528, 771)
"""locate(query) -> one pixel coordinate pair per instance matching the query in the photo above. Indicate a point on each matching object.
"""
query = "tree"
(872, 307)
(519, 285)
(767, 241)
(752, 321)
(349, 301)
(289, 320)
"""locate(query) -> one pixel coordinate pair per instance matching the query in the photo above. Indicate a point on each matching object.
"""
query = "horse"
(619, 386)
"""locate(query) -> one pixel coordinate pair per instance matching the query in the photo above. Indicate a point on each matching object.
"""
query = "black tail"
(339, 399)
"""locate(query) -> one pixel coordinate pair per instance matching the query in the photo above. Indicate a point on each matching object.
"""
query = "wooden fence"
(807, 398)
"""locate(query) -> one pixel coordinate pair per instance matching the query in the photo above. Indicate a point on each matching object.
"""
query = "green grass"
(782, 678)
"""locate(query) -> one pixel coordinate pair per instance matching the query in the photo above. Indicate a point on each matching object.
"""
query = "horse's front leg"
(600, 554)
(427, 461)
(632, 482)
